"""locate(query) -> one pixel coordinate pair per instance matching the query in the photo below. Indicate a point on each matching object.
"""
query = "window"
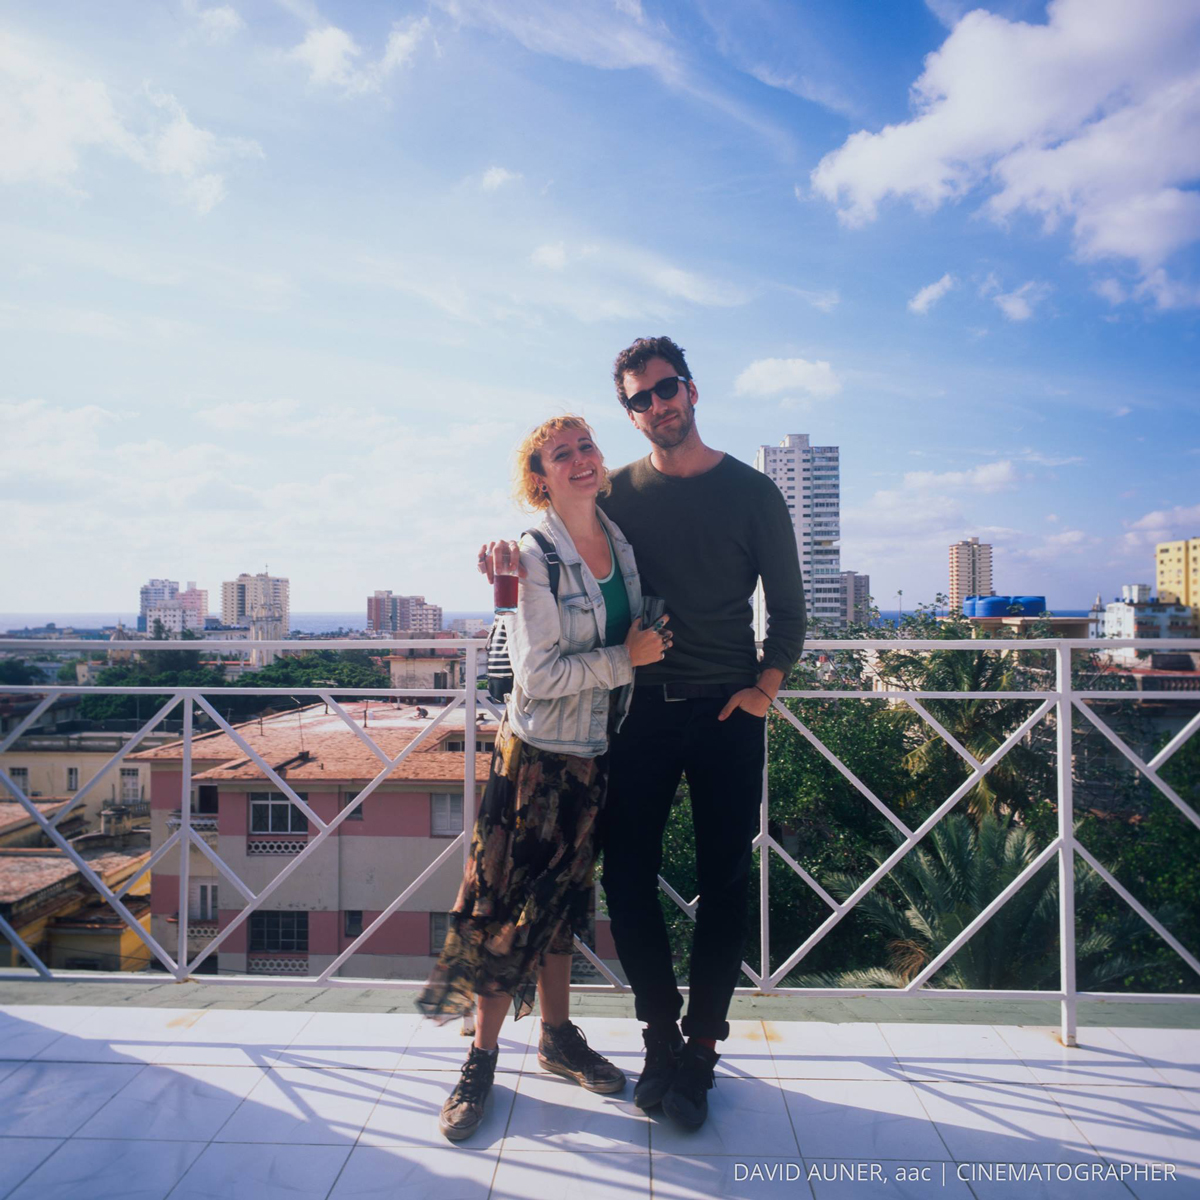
(207, 800)
(345, 800)
(202, 900)
(354, 922)
(439, 926)
(279, 931)
(459, 744)
(271, 813)
(130, 785)
(72, 779)
(446, 815)
(20, 777)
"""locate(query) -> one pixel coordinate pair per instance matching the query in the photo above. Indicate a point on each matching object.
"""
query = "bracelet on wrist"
(767, 694)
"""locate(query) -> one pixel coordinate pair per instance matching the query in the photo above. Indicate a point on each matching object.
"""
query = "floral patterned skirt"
(529, 883)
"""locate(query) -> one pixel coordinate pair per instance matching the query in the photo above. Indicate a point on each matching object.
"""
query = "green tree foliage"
(943, 884)
(18, 671)
(833, 831)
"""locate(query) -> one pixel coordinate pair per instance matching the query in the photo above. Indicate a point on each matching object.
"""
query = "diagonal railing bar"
(29, 719)
(965, 934)
(260, 762)
(132, 744)
(159, 853)
(217, 861)
(812, 883)
(101, 887)
(947, 736)
(19, 945)
(892, 859)
(1175, 743)
(391, 908)
(690, 909)
(325, 832)
(1139, 908)
(587, 953)
(842, 768)
(390, 764)
(1162, 785)
(353, 725)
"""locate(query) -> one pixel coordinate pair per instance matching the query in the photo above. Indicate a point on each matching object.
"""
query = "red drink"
(504, 592)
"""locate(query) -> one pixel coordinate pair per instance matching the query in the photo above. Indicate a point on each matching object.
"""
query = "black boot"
(686, 1100)
(464, 1107)
(664, 1045)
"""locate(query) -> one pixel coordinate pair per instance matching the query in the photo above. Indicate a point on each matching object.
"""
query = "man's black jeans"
(660, 741)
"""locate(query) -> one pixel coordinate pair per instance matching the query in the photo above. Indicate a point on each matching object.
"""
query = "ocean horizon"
(305, 622)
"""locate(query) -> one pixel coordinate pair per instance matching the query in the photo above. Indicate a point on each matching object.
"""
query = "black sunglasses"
(664, 389)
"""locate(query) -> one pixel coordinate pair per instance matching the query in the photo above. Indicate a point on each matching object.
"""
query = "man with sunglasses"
(704, 528)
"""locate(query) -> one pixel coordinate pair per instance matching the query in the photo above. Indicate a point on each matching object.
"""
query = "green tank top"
(616, 602)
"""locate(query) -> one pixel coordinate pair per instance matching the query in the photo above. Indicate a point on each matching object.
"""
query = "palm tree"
(946, 881)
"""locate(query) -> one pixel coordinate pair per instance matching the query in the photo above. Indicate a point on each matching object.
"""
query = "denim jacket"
(564, 677)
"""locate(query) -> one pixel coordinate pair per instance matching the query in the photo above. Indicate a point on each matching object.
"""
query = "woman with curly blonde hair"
(528, 887)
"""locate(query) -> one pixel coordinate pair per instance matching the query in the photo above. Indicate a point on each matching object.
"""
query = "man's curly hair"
(633, 359)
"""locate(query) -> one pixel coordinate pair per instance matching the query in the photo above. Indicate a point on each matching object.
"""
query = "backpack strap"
(552, 559)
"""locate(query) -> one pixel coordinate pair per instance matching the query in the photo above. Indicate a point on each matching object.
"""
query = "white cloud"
(495, 178)
(988, 477)
(1166, 292)
(929, 295)
(332, 56)
(1123, 411)
(1049, 460)
(773, 376)
(50, 118)
(1018, 305)
(1162, 525)
(1110, 290)
(551, 255)
(216, 24)
(1089, 119)
(261, 415)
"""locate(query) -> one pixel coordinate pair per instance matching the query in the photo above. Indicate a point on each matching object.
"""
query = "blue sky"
(283, 283)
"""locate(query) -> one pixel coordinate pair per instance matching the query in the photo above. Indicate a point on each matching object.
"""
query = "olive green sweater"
(701, 544)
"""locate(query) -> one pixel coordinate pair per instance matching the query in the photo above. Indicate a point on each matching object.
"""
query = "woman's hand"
(491, 555)
(647, 645)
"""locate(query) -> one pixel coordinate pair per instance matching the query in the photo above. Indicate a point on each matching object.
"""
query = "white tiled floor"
(150, 1103)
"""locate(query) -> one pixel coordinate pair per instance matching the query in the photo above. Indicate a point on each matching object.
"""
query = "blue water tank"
(1032, 606)
(968, 606)
(992, 606)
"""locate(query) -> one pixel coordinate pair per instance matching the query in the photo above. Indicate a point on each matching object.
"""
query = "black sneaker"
(663, 1048)
(686, 1100)
(564, 1050)
(464, 1107)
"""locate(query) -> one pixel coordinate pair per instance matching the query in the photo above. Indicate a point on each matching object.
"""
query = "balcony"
(304, 1101)
(335, 1091)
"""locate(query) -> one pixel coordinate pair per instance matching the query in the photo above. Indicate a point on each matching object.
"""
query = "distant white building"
(175, 619)
(810, 479)
(856, 598)
(1135, 615)
(155, 593)
(469, 625)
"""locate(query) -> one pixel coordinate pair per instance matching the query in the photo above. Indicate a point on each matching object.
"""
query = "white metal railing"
(1062, 700)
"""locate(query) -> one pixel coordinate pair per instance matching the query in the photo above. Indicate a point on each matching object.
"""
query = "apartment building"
(1177, 575)
(970, 571)
(155, 594)
(856, 598)
(262, 596)
(388, 613)
(357, 871)
(810, 479)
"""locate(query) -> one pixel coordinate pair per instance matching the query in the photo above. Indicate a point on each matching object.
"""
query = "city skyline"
(286, 282)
